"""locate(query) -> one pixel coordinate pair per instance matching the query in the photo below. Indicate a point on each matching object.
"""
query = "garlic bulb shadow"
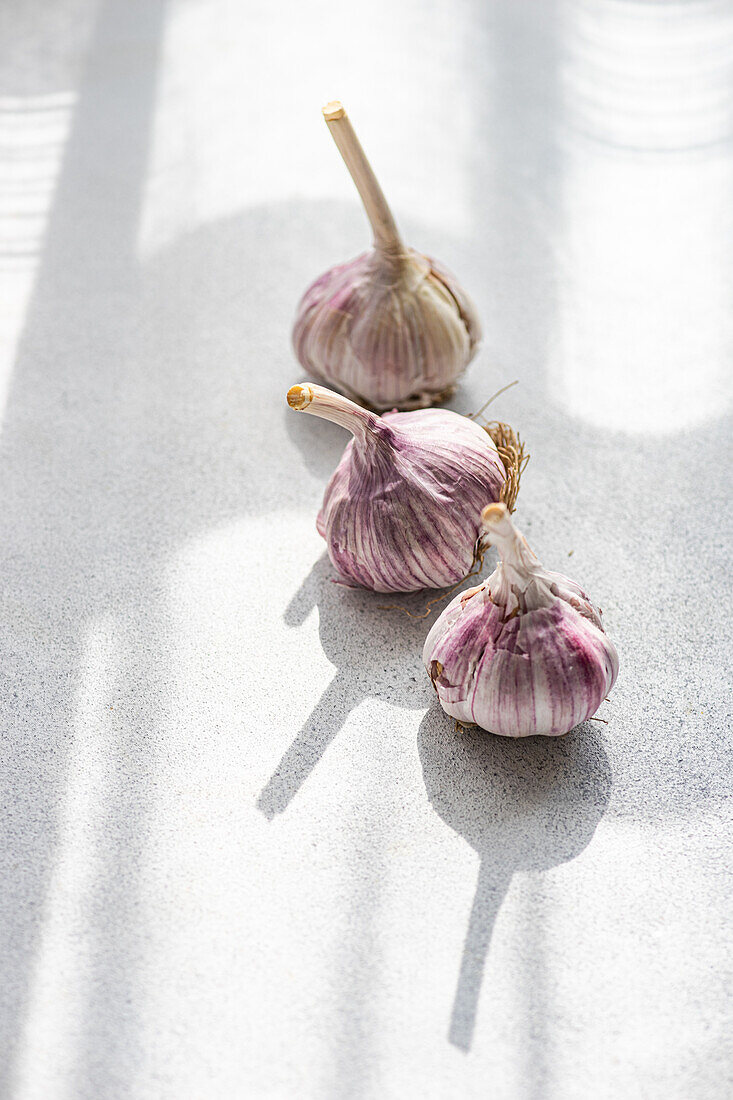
(526, 805)
(376, 654)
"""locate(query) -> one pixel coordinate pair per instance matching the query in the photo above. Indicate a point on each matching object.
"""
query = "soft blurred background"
(243, 852)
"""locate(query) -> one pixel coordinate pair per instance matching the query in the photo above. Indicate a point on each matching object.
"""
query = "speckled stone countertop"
(243, 852)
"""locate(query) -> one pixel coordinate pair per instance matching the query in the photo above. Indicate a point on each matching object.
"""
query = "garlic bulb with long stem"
(402, 510)
(391, 328)
(523, 653)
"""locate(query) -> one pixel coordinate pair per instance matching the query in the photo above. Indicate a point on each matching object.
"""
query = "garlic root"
(512, 453)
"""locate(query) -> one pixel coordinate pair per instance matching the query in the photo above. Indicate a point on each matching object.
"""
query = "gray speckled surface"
(243, 853)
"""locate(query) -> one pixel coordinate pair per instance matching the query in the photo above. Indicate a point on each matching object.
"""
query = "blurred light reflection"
(33, 133)
(54, 1014)
(645, 329)
(243, 127)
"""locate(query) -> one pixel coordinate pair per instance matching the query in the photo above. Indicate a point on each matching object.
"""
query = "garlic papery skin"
(523, 653)
(402, 510)
(391, 328)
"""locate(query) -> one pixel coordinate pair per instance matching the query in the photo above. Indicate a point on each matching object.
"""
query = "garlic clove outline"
(402, 510)
(523, 653)
(392, 328)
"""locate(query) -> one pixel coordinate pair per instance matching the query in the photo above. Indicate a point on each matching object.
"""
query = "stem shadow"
(376, 654)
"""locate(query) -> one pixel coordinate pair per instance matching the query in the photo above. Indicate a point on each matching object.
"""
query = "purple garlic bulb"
(402, 510)
(391, 328)
(523, 653)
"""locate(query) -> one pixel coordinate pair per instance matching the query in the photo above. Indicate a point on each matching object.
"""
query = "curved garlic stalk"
(402, 510)
(523, 653)
(391, 328)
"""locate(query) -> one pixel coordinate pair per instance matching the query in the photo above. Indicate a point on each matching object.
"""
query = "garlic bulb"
(402, 510)
(391, 328)
(523, 653)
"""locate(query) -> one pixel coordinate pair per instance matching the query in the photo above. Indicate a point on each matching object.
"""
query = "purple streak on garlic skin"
(524, 653)
(391, 328)
(402, 510)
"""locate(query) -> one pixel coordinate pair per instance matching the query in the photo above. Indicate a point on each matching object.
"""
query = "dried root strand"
(479, 415)
(411, 403)
(510, 447)
(464, 727)
(514, 457)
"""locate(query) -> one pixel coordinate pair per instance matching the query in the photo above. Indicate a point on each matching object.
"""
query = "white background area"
(243, 852)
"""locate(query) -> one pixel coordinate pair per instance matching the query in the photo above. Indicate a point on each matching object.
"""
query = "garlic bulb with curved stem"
(391, 328)
(523, 653)
(402, 510)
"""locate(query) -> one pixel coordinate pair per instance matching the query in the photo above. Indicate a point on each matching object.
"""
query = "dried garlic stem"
(332, 406)
(386, 236)
(501, 533)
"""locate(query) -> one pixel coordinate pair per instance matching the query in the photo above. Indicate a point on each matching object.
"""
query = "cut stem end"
(334, 407)
(300, 397)
(333, 110)
(494, 514)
